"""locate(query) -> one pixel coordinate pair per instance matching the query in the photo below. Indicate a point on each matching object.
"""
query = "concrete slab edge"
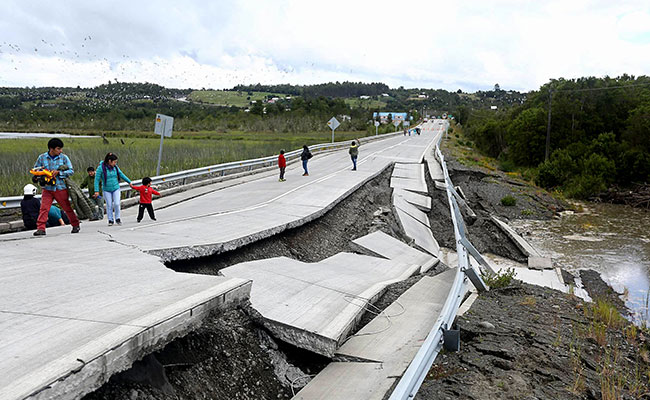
(519, 241)
(94, 373)
(189, 252)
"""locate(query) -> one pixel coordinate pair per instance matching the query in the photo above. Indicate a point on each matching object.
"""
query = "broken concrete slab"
(348, 381)
(519, 241)
(416, 225)
(421, 201)
(413, 211)
(540, 262)
(420, 233)
(67, 325)
(408, 184)
(387, 246)
(315, 305)
(440, 185)
(547, 278)
(395, 336)
(409, 171)
(435, 170)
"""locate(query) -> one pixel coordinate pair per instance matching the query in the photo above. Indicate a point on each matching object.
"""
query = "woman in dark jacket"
(305, 156)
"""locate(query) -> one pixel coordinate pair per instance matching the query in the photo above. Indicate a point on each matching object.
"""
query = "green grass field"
(138, 156)
(229, 98)
(365, 103)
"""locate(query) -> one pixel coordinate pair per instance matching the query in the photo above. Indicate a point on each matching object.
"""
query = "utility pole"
(548, 125)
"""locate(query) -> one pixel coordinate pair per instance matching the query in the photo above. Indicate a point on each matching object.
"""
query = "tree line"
(599, 133)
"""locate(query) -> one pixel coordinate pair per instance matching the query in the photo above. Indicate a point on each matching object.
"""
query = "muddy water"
(611, 239)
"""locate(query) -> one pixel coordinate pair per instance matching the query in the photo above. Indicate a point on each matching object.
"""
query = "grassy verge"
(138, 155)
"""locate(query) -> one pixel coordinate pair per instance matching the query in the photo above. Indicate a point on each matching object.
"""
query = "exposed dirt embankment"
(483, 190)
(528, 342)
(228, 357)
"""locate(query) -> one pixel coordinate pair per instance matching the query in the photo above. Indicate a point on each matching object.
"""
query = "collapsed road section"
(101, 314)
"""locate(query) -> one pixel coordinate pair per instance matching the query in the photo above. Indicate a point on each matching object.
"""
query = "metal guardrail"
(14, 201)
(412, 379)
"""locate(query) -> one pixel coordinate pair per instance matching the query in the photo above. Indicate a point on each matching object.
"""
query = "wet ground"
(613, 240)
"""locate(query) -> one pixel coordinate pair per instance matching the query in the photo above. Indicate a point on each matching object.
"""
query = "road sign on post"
(333, 123)
(376, 128)
(396, 123)
(163, 127)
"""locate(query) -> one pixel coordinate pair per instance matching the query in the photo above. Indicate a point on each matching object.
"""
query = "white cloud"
(472, 45)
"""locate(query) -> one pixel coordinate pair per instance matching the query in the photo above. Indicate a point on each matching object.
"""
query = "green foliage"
(506, 165)
(508, 201)
(526, 136)
(581, 170)
(500, 279)
(598, 137)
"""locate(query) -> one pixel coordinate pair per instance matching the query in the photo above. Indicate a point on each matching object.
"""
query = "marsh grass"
(138, 156)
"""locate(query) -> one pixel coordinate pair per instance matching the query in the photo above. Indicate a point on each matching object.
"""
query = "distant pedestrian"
(146, 192)
(89, 182)
(354, 153)
(282, 164)
(305, 156)
(109, 175)
(30, 206)
(52, 160)
(404, 131)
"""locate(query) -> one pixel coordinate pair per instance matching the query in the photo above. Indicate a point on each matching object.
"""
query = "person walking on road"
(109, 175)
(52, 160)
(354, 153)
(305, 156)
(89, 182)
(146, 193)
(282, 164)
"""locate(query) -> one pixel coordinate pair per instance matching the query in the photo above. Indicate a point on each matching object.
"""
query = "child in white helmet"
(30, 206)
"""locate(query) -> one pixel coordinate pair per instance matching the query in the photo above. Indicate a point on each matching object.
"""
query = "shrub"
(501, 279)
(506, 165)
(508, 201)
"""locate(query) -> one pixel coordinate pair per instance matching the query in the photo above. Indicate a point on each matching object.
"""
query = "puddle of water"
(610, 239)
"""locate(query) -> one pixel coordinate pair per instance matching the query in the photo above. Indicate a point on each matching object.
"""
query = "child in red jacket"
(146, 192)
(282, 164)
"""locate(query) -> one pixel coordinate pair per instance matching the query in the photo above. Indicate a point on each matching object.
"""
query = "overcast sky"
(218, 44)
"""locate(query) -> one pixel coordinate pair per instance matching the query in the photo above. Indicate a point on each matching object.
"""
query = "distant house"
(422, 96)
(395, 116)
(493, 107)
(385, 95)
(364, 97)
(345, 117)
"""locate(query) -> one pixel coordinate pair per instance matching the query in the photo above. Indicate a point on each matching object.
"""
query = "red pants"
(61, 197)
